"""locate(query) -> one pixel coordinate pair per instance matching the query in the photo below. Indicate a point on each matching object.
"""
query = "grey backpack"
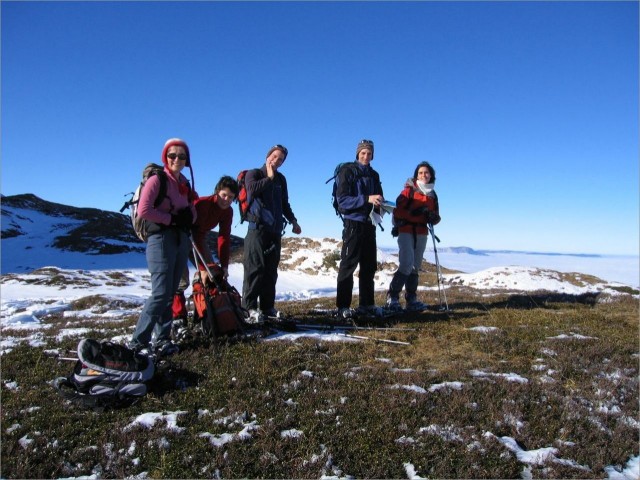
(140, 225)
(106, 375)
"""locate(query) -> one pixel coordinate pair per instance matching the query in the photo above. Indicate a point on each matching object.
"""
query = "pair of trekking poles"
(224, 316)
(441, 292)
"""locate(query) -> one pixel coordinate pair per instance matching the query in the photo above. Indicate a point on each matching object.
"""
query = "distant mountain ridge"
(86, 230)
(467, 250)
(94, 233)
(553, 254)
(37, 233)
(471, 251)
(104, 233)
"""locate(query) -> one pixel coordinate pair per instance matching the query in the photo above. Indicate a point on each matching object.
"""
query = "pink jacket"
(178, 197)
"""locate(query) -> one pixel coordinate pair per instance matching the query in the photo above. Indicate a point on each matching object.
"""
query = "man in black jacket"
(359, 191)
(268, 198)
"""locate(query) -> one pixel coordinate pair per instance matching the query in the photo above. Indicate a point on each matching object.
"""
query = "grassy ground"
(556, 372)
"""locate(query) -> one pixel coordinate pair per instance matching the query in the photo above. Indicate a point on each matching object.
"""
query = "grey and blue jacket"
(355, 183)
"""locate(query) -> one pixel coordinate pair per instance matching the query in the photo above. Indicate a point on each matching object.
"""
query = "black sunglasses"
(181, 156)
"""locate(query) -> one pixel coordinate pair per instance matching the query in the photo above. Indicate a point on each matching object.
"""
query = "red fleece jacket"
(209, 216)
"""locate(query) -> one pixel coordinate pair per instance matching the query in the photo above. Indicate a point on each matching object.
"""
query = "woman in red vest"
(416, 207)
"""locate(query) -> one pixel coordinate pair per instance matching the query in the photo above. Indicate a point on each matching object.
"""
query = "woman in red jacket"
(416, 207)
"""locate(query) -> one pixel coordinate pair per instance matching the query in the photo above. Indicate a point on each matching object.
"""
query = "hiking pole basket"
(441, 291)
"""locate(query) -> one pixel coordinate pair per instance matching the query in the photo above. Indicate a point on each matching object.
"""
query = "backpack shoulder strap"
(412, 192)
(353, 167)
(163, 188)
(257, 172)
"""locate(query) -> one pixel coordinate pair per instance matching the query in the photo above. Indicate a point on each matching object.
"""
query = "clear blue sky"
(527, 110)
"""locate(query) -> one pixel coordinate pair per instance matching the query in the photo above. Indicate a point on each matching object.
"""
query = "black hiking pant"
(261, 260)
(358, 248)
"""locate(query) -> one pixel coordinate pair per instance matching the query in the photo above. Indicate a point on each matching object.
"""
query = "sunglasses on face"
(180, 156)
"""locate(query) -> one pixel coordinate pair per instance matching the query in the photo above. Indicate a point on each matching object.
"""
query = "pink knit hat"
(175, 142)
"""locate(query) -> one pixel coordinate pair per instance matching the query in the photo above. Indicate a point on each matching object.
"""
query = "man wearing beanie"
(268, 198)
(359, 191)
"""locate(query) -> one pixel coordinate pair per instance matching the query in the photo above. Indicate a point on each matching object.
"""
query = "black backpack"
(106, 375)
(141, 226)
(336, 172)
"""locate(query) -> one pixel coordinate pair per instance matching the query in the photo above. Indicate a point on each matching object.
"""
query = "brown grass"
(352, 401)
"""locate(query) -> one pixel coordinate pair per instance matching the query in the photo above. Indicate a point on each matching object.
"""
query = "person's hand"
(376, 200)
(271, 172)
(419, 211)
(296, 228)
(204, 277)
(183, 219)
(432, 217)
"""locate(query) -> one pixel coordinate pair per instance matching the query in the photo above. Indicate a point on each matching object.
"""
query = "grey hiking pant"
(410, 254)
(166, 259)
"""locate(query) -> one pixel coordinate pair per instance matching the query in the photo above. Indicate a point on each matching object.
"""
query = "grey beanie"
(364, 144)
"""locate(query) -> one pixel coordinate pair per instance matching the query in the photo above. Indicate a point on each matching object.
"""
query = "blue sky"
(527, 110)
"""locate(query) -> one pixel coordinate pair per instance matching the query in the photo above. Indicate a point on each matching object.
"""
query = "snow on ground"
(24, 298)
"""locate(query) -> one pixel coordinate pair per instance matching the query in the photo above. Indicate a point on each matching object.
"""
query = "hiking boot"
(346, 313)
(139, 348)
(166, 348)
(255, 317)
(177, 329)
(369, 311)
(273, 313)
(393, 304)
(415, 305)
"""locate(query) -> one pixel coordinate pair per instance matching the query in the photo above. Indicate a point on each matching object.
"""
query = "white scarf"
(425, 188)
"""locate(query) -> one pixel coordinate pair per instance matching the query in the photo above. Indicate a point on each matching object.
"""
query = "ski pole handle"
(430, 226)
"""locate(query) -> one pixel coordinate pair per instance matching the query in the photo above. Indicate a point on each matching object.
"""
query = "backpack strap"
(162, 193)
(251, 217)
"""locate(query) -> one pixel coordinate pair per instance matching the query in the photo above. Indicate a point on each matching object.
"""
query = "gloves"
(429, 215)
(183, 219)
(432, 217)
(419, 211)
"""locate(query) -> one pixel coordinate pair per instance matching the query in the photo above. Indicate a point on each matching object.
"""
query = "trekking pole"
(441, 290)
(380, 340)
(222, 286)
(198, 257)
